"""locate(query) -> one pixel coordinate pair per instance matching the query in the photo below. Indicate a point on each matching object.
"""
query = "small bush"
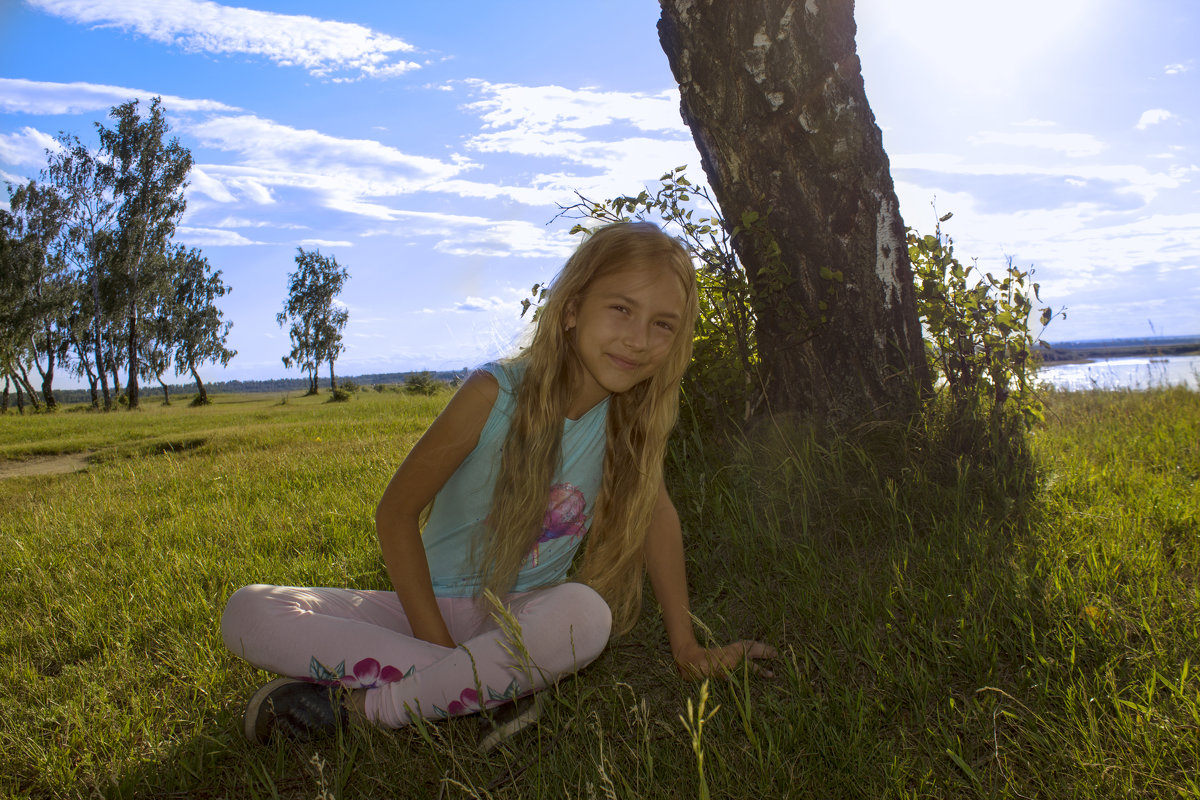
(340, 396)
(350, 386)
(421, 383)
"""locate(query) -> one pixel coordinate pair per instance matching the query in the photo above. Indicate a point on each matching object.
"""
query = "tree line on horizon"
(93, 283)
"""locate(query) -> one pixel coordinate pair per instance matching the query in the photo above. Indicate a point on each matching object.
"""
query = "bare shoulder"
(484, 385)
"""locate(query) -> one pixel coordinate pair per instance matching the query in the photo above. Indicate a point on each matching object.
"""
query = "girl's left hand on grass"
(695, 662)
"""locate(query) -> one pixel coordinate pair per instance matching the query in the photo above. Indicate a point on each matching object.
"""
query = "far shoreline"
(1089, 352)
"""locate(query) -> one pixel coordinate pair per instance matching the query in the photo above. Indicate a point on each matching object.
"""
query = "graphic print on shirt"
(564, 516)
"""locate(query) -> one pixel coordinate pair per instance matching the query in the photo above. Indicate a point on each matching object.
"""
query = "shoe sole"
(505, 729)
(254, 709)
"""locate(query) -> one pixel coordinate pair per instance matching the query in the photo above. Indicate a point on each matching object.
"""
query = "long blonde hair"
(639, 421)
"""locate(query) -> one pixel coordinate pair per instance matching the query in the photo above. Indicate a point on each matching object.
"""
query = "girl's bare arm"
(668, 578)
(427, 467)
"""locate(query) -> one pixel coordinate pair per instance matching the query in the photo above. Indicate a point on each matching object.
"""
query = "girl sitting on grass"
(558, 448)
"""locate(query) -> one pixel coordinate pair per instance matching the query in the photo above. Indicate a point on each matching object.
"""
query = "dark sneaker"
(511, 719)
(292, 708)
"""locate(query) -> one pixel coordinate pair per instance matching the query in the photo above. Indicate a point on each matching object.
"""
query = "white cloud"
(326, 243)
(483, 304)
(1069, 144)
(1036, 123)
(18, 95)
(1127, 178)
(1153, 117)
(1177, 69)
(463, 235)
(598, 143)
(26, 146)
(212, 237)
(325, 48)
(508, 105)
(348, 175)
(241, 222)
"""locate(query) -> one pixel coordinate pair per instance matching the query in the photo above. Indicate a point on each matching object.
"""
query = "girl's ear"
(570, 314)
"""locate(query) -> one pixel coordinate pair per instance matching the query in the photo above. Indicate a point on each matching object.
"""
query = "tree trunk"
(332, 380)
(131, 393)
(25, 383)
(48, 382)
(166, 391)
(202, 395)
(20, 398)
(47, 373)
(773, 93)
(4, 406)
(81, 354)
(22, 379)
(100, 346)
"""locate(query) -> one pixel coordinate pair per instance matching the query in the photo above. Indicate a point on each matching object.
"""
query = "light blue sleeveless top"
(459, 510)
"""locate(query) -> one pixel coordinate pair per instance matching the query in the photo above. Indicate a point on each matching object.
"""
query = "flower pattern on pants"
(367, 674)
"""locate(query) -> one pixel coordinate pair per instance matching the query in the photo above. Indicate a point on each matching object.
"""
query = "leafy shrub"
(350, 386)
(340, 395)
(978, 337)
(421, 383)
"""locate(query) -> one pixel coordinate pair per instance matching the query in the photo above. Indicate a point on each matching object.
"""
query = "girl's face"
(624, 327)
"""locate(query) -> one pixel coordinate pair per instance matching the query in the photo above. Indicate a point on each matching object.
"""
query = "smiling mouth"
(623, 363)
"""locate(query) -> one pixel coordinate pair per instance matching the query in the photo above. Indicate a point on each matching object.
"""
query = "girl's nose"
(636, 337)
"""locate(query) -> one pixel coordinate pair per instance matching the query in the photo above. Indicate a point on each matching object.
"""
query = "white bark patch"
(810, 6)
(775, 99)
(887, 250)
(756, 57)
(683, 8)
(785, 22)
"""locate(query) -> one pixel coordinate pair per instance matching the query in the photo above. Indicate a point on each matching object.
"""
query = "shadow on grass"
(889, 569)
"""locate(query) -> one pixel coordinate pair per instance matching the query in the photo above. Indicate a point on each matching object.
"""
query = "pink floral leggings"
(362, 640)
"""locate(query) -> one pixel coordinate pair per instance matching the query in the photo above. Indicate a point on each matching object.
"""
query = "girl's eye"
(666, 326)
(621, 309)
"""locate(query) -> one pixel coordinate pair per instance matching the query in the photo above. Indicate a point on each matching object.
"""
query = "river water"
(1124, 373)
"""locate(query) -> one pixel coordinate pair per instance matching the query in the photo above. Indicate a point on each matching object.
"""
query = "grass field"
(946, 630)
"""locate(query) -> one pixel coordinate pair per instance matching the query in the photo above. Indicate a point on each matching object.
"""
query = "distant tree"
(80, 179)
(39, 281)
(316, 321)
(199, 328)
(148, 174)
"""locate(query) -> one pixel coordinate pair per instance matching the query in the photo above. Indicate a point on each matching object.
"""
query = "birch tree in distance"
(316, 320)
(773, 93)
(148, 175)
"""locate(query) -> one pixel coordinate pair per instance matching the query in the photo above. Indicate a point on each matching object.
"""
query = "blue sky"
(427, 150)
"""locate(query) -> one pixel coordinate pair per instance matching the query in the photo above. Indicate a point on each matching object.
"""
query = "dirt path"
(44, 465)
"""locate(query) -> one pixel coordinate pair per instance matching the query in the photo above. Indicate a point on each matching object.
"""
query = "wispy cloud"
(508, 105)
(325, 48)
(212, 237)
(1074, 145)
(349, 175)
(18, 95)
(1177, 69)
(596, 142)
(326, 243)
(1153, 117)
(1125, 178)
(27, 146)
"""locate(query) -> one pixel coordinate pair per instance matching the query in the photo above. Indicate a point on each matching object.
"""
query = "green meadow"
(950, 624)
